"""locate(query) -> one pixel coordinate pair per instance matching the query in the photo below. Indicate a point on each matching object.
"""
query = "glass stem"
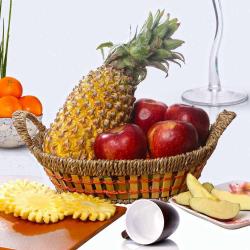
(214, 78)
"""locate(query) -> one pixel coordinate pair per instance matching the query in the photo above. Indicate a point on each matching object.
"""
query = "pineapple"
(31, 201)
(38, 203)
(84, 207)
(104, 98)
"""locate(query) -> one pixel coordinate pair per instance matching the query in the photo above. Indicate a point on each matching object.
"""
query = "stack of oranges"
(11, 99)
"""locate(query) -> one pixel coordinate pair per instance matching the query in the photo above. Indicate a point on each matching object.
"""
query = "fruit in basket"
(184, 197)
(196, 188)
(83, 207)
(31, 104)
(125, 142)
(104, 98)
(31, 201)
(9, 86)
(242, 199)
(8, 105)
(222, 210)
(147, 112)
(169, 138)
(196, 116)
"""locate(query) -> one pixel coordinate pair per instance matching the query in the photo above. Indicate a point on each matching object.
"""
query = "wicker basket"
(122, 181)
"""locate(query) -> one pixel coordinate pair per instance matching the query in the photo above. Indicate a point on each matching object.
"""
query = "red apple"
(147, 112)
(169, 138)
(125, 142)
(196, 116)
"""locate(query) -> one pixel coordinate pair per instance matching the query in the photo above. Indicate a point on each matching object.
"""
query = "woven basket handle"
(19, 121)
(221, 123)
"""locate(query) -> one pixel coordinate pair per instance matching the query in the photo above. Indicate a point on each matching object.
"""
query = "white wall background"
(53, 44)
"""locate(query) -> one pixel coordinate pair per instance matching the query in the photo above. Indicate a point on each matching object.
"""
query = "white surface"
(241, 220)
(53, 44)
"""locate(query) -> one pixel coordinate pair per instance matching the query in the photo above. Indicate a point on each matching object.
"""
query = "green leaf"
(117, 51)
(158, 17)
(129, 62)
(1, 56)
(172, 27)
(104, 45)
(156, 43)
(135, 35)
(179, 56)
(142, 74)
(162, 54)
(174, 61)
(1, 8)
(161, 30)
(159, 65)
(141, 41)
(144, 38)
(121, 50)
(171, 44)
(150, 46)
(166, 63)
(3, 49)
(7, 42)
(150, 21)
(139, 52)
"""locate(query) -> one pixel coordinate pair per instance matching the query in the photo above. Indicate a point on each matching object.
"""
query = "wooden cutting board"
(18, 234)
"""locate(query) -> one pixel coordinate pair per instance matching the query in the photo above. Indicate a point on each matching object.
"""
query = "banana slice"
(84, 207)
(31, 201)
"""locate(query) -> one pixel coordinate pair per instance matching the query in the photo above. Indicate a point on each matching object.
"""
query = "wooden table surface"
(19, 234)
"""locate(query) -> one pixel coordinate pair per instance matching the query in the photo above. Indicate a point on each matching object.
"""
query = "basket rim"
(66, 165)
(201, 149)
(100, 167)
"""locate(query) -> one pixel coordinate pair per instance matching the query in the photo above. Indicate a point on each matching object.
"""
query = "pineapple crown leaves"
(152, 46)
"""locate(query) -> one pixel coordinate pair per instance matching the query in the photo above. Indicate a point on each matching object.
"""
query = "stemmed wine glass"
(214, 95)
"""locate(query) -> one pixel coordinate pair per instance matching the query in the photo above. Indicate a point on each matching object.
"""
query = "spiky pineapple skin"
(103, 100)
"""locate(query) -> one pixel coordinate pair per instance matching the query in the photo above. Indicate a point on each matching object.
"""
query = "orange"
(32, 104)
(8, 105)
(10, 86)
